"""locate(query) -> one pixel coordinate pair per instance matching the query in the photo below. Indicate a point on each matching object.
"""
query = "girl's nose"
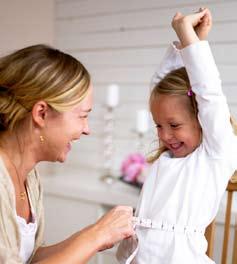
(165, 135)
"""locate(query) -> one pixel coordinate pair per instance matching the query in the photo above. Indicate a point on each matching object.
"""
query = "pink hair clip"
(190, 92)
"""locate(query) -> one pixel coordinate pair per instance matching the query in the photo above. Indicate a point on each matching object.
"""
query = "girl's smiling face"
(178, 129)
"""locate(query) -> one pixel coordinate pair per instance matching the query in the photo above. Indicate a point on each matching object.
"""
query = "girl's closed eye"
(175, 125)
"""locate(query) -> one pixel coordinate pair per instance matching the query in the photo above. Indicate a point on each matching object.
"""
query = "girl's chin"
(178, 153)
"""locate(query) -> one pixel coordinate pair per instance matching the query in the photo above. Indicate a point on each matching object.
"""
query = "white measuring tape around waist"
(151, 224)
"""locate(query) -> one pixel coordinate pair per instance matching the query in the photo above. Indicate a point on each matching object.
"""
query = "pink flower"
(133, 166)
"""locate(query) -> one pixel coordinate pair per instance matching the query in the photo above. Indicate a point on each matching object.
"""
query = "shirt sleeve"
(171, 61)
(213, 111)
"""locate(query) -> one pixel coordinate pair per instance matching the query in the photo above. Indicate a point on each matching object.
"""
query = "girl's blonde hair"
(35, 73)
(177, 83)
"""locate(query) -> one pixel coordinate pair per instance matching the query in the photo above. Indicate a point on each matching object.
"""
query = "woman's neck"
(19, 151)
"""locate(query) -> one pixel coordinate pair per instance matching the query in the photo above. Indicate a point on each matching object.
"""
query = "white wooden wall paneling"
(70, 39)
(141, 19)
(147, 56)
(89, 8)
(137, 75)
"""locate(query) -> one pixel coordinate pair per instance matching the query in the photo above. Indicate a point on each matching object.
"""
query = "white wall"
(26, 22)
(123, 41)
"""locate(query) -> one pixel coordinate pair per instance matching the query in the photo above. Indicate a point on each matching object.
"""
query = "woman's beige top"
(9, 229)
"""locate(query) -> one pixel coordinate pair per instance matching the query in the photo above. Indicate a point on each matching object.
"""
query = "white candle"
(112, 98)
(142, 125)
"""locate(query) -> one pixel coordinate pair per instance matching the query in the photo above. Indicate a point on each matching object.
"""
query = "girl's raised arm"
(172, 59)
(213, 111)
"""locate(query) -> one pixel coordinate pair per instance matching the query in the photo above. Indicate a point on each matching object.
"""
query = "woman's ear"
(39, 113)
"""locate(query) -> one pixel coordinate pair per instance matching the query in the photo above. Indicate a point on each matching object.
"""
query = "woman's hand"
(114, 226)
(80, 247)
(191, 28)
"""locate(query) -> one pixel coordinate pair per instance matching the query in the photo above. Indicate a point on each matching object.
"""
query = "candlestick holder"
(142, 126)
(108, 146)
(140, 141)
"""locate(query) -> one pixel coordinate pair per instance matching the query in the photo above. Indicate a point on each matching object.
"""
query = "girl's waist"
(145, 223)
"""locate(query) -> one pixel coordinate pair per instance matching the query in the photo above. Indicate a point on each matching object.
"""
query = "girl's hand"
(114, 226)
(204, 27)
(185, 26)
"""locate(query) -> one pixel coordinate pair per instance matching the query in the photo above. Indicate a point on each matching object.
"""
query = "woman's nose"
(86, 129)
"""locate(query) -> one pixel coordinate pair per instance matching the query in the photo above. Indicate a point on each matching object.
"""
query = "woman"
(45, 99)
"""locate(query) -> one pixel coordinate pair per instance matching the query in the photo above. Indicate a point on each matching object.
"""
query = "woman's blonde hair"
(177, 83)
(35, 73)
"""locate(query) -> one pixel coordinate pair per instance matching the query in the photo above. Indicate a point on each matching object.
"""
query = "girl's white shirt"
(27, 233)
(181, 196)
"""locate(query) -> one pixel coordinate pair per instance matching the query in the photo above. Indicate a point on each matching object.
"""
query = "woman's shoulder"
(33, 177)
(6, 189)
(34, 183)
(2, 169)
(5, 181)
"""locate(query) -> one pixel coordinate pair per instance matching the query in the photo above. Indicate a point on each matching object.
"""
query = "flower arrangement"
(133, 169)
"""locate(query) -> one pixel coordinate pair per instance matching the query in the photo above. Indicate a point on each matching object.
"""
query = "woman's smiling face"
(63, 128)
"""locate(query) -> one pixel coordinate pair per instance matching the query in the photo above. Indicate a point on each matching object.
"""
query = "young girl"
(197, 154)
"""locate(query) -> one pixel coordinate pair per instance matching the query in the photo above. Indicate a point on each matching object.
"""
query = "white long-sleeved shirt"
(181, 196)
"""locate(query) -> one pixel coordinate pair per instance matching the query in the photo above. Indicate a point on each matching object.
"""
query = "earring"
(41, 139)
